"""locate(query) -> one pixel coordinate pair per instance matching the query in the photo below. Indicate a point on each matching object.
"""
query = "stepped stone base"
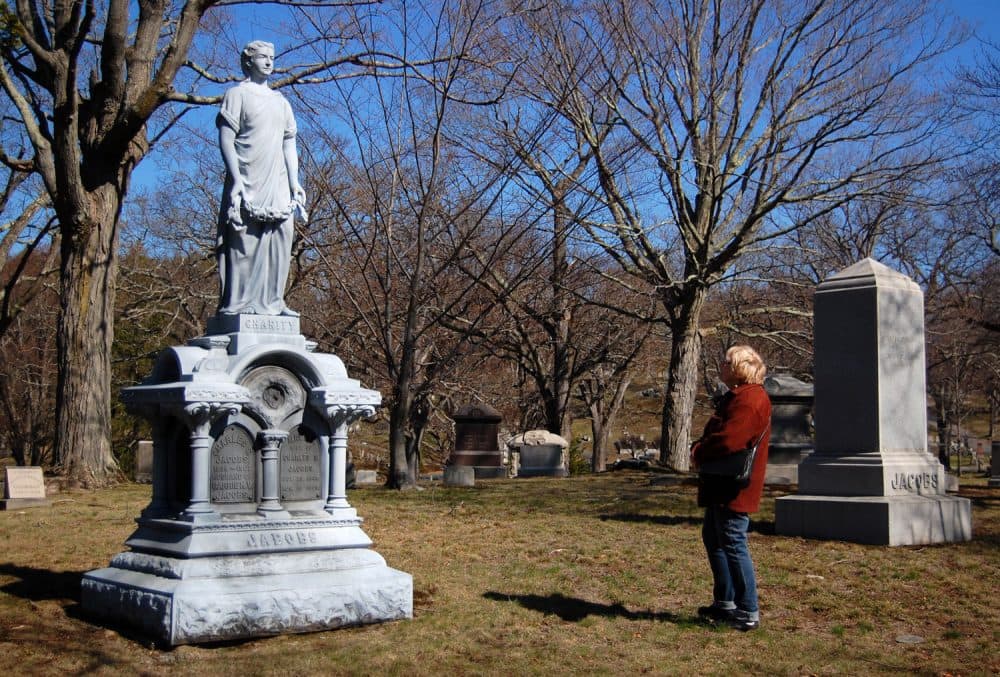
(182, 601)
(876, 520)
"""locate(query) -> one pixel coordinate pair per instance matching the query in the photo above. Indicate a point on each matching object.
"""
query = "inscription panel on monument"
(234, 467)
(300, 477)
(476, 437)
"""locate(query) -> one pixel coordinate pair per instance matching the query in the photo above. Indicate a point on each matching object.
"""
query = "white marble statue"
(262, 194)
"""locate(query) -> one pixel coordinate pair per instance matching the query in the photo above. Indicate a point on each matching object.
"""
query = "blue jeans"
(725, 536)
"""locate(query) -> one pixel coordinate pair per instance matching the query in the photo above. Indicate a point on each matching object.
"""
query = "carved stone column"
(199, 416)
(340, 410)
(270, 505)
(337, 479)
(158, 504)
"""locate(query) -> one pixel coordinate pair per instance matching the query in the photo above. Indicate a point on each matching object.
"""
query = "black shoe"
(716, 613)
(743, 625)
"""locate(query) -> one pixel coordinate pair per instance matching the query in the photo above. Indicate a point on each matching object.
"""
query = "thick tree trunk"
(400, 476)
(556, 418)
(682, 382)
(84, 337)
(601, 434)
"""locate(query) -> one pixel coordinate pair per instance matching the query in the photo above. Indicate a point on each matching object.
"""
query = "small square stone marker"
(23, 488)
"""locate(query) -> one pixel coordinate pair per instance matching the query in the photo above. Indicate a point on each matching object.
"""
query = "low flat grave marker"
(23, 488)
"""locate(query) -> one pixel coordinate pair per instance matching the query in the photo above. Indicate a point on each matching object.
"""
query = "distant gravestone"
(477, 442)
(365, 477)
(23, 488)
(144, 462)
(995, 465)
(459, 476)
(871, 478)
(791, 434)
(540, 454)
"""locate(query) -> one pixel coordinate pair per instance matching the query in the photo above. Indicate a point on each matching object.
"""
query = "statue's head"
(251, 50)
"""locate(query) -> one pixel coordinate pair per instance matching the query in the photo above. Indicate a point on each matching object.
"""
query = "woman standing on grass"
(741, 416)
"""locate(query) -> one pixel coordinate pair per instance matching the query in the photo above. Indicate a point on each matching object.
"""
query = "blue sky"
(258, 21)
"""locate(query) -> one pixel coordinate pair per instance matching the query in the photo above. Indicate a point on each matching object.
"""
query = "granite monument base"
(248, 531)
(876, 520)
(183, 601)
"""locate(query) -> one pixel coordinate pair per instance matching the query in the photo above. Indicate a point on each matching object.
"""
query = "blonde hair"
(250, 51)
(747, 365)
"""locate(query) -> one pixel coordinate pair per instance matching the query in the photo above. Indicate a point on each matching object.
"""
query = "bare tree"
(412, 211)
(734, 123)
(979, 89)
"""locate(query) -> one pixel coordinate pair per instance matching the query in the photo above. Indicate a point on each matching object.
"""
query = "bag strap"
(760, 438)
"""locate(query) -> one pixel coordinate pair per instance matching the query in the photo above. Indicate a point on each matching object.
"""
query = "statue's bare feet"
(288, 312)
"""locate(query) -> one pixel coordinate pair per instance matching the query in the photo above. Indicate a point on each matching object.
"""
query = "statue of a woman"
(262, 191)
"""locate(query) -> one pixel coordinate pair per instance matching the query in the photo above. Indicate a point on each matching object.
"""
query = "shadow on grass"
(42, 584)
(667, 520)
(574, 609)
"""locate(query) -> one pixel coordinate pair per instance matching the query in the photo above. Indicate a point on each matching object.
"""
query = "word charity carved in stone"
(300, 466)
(233, 467)
(274, 325)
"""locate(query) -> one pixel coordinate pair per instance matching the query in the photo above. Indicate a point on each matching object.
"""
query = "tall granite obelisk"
(871, 478)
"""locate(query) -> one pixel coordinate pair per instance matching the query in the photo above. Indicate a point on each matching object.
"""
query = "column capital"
(343, 407)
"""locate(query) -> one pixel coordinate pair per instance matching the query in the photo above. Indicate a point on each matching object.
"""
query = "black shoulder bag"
(735, 467)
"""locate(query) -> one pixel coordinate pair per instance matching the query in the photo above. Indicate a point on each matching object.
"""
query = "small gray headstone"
(994, 464)
(459, 476)
(23, 488)
(366, 477)
(144, 462)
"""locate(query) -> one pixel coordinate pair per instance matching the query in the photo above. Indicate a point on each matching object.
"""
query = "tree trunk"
(83, 342)
(399, 467)
(555, 411)
(682, 381)
(944, 434)
(601, 433)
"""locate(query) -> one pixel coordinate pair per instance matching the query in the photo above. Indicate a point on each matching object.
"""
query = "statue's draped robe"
(254, 263)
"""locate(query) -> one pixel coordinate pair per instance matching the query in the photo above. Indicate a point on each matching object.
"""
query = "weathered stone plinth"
(871, 478)
(249, 531)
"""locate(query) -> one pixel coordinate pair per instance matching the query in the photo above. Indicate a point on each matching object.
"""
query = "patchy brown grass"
(588, 575)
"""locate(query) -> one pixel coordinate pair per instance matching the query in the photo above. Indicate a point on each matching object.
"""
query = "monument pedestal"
(185, 601)
(871, 478)
(876, 520)
(249, 531)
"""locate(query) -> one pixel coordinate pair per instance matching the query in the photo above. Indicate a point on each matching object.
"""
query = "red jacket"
(740, 417)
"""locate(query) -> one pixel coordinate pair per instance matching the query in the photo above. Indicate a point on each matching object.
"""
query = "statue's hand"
(299, 203)
(233, 215)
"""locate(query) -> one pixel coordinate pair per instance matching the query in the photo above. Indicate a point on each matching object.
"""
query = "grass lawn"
(586, 575)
